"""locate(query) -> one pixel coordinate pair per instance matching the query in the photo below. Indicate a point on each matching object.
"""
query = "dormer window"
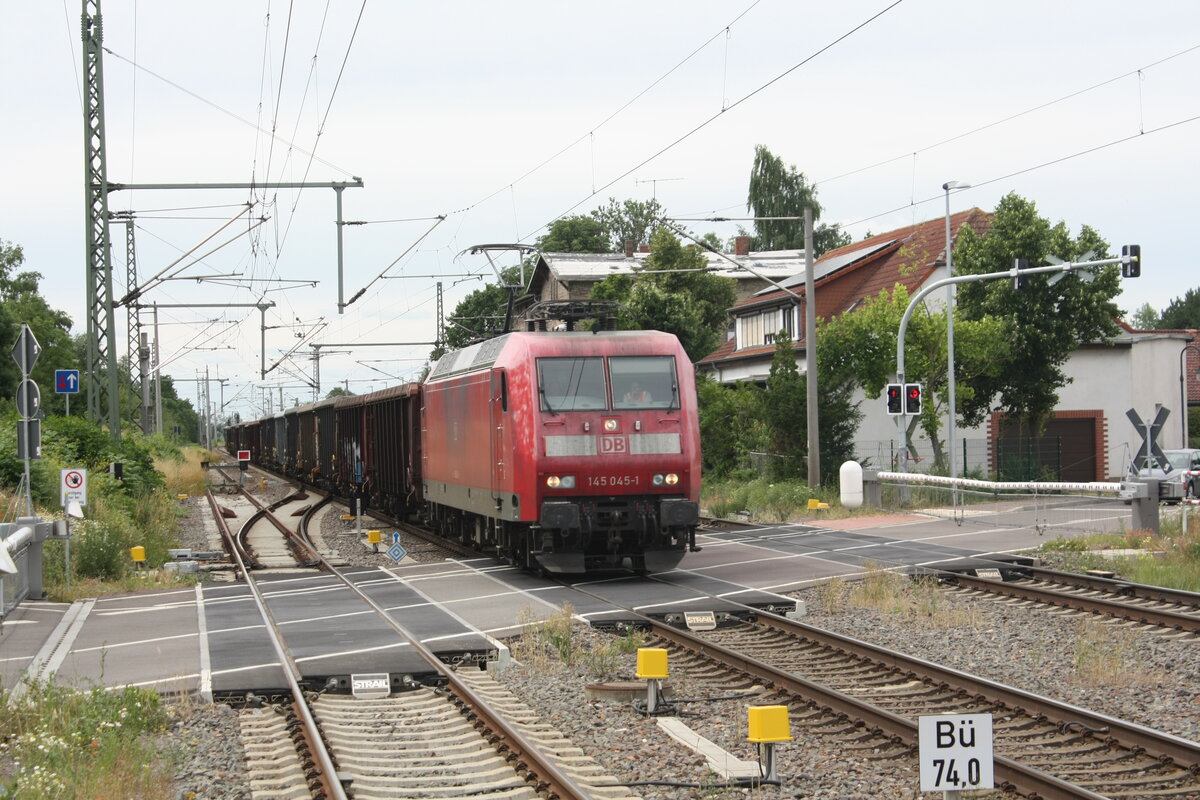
(758, 329)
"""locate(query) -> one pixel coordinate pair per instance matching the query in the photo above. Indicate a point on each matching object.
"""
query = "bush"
(99, 549)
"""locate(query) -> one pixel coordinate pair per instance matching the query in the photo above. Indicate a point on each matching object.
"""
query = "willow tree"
(780, 190)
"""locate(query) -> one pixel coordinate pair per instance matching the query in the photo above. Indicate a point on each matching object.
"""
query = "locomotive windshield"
(571, 384)
(577, 384)
(644, 382)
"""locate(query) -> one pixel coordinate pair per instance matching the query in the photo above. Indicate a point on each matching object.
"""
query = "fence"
(1008, 459)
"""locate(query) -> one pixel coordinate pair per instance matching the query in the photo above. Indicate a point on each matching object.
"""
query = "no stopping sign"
(73, 486)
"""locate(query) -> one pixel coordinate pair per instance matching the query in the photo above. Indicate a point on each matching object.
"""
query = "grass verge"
(65, 744)
(558, 642)
(184, 475)
(774, 501)
(1171, 559)
(893, 593)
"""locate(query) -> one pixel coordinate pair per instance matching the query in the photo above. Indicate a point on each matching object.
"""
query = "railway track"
(315, 744)
(871, 697)
(1170, 609)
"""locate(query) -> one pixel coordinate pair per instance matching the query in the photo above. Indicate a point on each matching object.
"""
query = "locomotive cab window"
(644, 382)
(571, 384)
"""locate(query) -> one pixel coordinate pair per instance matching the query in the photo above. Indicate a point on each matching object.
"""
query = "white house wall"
(1136, 373)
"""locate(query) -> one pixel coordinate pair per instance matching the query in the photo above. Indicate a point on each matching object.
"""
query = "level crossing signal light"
(1133, 267)
(912, 398)
(895, 399)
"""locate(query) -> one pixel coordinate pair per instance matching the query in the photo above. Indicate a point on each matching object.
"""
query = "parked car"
(1178, 461)
(1186, 460)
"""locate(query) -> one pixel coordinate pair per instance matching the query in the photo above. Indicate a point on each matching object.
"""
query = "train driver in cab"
(637, 395)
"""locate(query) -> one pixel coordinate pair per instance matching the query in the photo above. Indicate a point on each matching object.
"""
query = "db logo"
(612, 444)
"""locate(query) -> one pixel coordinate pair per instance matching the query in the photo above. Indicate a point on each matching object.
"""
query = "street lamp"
(948, 187)
(1183, 405)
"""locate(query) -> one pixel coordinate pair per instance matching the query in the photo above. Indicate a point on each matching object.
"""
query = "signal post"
(1131, 267)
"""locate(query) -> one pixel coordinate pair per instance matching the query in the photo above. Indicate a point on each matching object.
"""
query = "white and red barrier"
(1001, 486)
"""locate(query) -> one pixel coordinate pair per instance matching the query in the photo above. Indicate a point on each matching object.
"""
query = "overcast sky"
(503, 116)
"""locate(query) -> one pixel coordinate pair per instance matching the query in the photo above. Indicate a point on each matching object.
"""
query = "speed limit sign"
(74, 486)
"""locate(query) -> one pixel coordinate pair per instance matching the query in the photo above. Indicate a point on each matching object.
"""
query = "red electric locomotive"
(565, 451)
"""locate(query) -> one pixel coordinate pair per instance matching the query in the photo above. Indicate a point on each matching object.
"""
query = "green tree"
(859, 350)
(674, 293)
(731, 425)
(22, 303)
(1146, 318)
(780, 190)
(178, 413)
(1182, 312)
(339, 391)
(785, 411)
(575, 234)
(630, 219)
(1043, 323)
(480, 314)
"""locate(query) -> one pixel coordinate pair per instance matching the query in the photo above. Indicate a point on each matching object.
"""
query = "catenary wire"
(714, 117)
(1042, 165)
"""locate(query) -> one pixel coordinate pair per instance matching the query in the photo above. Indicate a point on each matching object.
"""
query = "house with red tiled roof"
(845, 278)
(1088, 438)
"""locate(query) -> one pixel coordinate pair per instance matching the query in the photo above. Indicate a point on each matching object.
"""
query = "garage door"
(1066, 451)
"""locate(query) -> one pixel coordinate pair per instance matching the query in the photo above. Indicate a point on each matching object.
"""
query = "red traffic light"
(895, 398)
(912, 398)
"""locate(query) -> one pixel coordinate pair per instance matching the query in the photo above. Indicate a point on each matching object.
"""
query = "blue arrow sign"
(66, 381)
(395, 537)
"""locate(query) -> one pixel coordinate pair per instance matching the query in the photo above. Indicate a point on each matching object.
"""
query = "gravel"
(1151, 679)
(211, 762)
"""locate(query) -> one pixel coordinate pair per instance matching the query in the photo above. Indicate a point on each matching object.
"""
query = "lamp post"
(1183, 404)
(948, 187)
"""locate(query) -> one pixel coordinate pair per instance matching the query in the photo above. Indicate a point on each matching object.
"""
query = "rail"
(550, 779)
(1022, 778)
(326, 772)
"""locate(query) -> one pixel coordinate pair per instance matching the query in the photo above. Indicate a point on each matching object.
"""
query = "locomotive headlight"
(611, 425)
(669, 479)
(561, 481)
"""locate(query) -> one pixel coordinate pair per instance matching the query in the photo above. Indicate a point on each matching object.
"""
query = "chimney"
(629, 247)
(741, 246)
